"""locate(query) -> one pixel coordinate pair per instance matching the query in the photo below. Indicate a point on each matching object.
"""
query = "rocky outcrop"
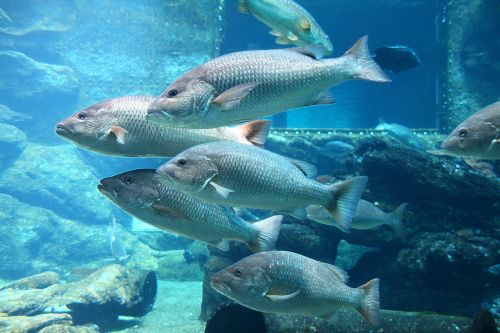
(25, 324)
(99, 298)
(37, 281)
(12, 144)
(27, 80)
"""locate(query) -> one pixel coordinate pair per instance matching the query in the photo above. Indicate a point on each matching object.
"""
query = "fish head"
(182, 104)
(137, 188)
(246, 282)
(89, 125)
(189, 171)
(466, 140)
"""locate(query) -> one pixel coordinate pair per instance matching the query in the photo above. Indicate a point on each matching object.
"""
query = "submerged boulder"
(56, 177)
(12, 144)
(25, 80)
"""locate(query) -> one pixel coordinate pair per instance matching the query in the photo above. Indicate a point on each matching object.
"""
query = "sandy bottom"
(176, 310)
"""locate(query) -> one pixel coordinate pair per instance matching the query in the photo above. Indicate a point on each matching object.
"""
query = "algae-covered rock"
(25, 79)
(26, 324)
(37, 281)
(62, 328)
(56, 177)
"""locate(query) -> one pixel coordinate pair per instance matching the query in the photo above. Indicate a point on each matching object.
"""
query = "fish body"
(477, 137)
(286, 282)
(248, 85)
(401, 133)
(368, 216)
(118, 127)
(117, 247)
(290, 23)
(141, 195)
(229, 174)
(396, 58)
(336, 148)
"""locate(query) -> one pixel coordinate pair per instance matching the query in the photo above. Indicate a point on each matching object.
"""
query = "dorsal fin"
(338, 272)
(307, 169)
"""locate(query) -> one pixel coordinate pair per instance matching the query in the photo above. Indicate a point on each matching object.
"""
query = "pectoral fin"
(282, 298)
(119, 132)
(282, 40)
(224, 192)
(233, 96)
(291, 36)
(168, 212)
(275, 33)
(305, 24)
(223, 245)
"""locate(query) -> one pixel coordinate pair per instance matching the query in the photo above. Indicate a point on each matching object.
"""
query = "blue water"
(58, 56)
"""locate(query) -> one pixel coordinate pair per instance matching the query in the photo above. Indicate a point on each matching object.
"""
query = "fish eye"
(462, 133)
(81, 115)
(237, 272)
(172, 93)
(181, 162)
(128, 180)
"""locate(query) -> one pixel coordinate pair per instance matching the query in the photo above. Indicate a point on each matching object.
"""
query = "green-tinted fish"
(118, 127)
(368, 216)
(287, 282)
(290, 23)
(244, 86)
(477, 137)
(233, 174)
(140, 194)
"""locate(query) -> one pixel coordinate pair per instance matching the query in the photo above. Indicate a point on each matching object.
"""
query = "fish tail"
(370, 304)
(319, 214)
(365, 68)
(267, 234)
(396, 220)
(345, 200)
(254, 132)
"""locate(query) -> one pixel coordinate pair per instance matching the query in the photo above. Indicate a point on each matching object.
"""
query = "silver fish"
(401, 133)
(117, 247)
(139, 194)
(336, 148)
(287, 282)
(248, 85)
(290, 23)
(368, 216)
(118, 127)
(232, 174)
(477, 137)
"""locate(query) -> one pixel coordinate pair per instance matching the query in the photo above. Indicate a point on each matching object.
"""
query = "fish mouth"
(220, 287)
(107, 191)
(62, 130)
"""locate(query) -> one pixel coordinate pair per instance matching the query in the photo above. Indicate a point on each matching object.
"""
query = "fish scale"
(171, 210)
(284, 79)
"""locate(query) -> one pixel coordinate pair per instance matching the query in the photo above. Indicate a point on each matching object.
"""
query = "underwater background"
(58, 56)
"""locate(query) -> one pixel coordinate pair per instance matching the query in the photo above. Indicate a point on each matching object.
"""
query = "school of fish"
(215, 171)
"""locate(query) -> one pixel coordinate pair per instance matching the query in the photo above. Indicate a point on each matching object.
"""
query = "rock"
(9, 116)
(105, 294)
(349, 254)
(37, 281)
(34, 239)
(12, 144)
(25, 324)
(61, 328)
(173, 266)
(25, 80)
(56, 177)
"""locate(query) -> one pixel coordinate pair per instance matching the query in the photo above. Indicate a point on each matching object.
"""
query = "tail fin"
(319, 214)
(370, 304)
(396, 221)
(267, 234)
(254, 132)
(345, 200)
(365, 67)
